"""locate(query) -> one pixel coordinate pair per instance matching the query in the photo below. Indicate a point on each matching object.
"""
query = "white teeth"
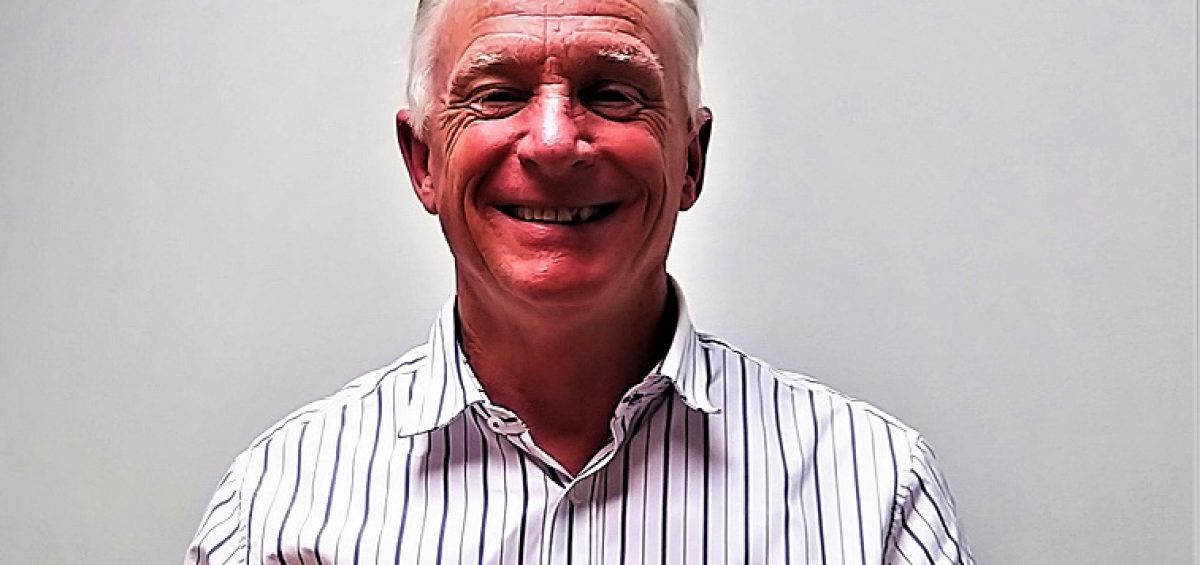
(556, 215)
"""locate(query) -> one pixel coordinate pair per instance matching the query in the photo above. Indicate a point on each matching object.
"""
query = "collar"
(444, 386)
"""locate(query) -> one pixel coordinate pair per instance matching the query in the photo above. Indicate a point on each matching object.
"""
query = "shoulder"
(334, 415)
(377, 385)
(223, 535)
(831, 433)
(736, 372)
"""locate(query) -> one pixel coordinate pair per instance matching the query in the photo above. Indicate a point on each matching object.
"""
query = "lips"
(564, 215)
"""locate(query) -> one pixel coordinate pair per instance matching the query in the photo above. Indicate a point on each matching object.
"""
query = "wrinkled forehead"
(477, 29)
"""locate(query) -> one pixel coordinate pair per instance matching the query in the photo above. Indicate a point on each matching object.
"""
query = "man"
(564, 409)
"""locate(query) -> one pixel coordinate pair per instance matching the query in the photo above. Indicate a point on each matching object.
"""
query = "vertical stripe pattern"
(716, 457)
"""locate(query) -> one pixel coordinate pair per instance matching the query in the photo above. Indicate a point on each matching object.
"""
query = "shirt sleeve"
(221, 538)
(925, 527)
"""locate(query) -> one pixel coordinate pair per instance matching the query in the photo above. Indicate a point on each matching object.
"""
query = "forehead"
(553, 28)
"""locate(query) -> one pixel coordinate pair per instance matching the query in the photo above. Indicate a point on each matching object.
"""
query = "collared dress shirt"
(715, 457)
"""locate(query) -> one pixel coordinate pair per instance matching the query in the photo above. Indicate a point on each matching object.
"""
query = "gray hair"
(422, 54)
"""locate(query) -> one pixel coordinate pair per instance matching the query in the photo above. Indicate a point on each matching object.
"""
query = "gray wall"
(979, 216)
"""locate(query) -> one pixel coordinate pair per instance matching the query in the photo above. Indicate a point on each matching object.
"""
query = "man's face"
(560, 148)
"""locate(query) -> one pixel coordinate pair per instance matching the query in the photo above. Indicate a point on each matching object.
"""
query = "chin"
(562, 286)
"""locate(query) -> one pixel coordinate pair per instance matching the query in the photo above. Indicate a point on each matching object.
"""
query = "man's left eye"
(612, 102)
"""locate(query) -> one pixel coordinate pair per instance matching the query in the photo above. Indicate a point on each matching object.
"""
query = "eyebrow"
(480, 64)
(633, 55)
(620, 54)
(483, 62)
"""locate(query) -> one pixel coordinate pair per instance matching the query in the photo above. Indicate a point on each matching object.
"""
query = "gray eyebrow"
(482, 62)
(626, 54)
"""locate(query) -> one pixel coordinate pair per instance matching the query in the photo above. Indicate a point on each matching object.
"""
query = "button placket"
(580, 492)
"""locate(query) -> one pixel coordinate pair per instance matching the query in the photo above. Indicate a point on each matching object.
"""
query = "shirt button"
(508, 428)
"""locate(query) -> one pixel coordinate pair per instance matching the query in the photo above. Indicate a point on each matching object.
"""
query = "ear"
(416, 158)
(697, 152)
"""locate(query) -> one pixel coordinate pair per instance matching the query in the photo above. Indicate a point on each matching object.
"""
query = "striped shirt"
(715, 457)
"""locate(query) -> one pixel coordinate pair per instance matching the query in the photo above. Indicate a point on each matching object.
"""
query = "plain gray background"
(978, 215)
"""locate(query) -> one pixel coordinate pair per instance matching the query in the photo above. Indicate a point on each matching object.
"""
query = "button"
(501, 426)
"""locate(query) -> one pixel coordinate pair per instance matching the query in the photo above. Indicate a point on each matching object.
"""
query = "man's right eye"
(498, 102)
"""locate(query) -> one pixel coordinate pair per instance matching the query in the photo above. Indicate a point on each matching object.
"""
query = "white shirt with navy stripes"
(716, 457)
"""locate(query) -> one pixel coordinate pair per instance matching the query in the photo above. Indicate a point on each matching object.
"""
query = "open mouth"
(563, 216)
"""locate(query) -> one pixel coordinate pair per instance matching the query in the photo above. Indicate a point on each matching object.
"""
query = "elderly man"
(564, 410)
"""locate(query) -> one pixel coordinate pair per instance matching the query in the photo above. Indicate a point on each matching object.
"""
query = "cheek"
(470, 154)
(647, 159)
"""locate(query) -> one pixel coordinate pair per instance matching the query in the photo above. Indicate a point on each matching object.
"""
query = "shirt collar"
(445, 386)
(684, 363)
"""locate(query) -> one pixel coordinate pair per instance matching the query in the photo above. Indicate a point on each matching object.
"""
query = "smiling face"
(559, 148)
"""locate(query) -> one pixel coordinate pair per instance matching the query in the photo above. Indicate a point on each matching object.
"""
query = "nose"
(552, 145)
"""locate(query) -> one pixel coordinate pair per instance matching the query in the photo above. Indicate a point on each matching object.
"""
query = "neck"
(563, 370)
